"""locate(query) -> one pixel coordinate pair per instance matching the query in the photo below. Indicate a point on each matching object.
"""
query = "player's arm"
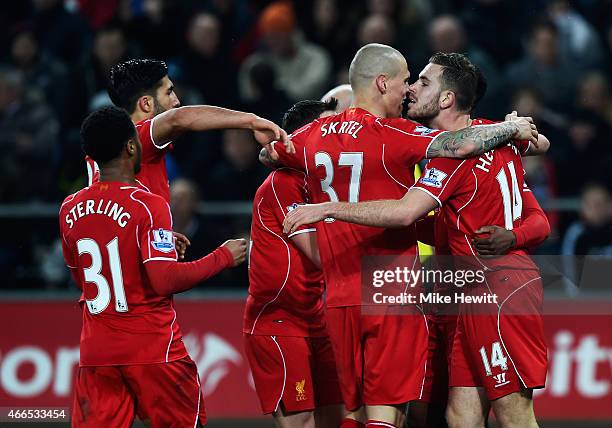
(383, 213)
(476, 140)
(540, 149)
(174, 122)
(534, 230)
(269, 157)
(169, 276)
(307, 244)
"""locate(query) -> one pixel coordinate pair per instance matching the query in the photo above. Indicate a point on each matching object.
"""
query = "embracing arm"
(541, 148)
(383, 213)
(476, 140)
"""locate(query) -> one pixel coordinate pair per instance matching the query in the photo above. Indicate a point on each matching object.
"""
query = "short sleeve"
(93, 172)
(296, 160)
(442, 177)
(290, 191)
(411, 140)
(155, 236)
(69, 256)
(522, 146)
(150, 149)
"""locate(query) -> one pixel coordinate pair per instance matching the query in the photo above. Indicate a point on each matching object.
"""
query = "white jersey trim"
(298, 232)
(387, 171)
(284, 373)
(499, 328)
(429, 193)
(150, 259)
(470, 200)
(171, 333)
(159, 146)
(286, 275)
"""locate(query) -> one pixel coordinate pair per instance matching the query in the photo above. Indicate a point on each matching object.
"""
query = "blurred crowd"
(549, 59)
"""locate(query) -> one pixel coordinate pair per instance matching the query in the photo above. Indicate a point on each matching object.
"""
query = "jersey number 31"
(93, 275)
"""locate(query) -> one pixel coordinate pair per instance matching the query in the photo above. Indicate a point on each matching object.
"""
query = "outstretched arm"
(174, 122)
(383, 213)
(476, 140)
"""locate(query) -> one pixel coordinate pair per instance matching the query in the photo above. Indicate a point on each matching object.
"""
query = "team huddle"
(342, 189)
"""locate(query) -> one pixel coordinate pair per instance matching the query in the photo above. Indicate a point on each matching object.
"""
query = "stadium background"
(547, 59)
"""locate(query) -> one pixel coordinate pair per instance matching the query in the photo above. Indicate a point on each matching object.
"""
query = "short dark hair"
(105, 132)
(460, 76)
(306, 111)
(129, 80)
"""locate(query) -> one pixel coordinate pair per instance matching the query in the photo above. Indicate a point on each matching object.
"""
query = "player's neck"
(451, 121)
(138, 116)
(371, 106)
(117, 172)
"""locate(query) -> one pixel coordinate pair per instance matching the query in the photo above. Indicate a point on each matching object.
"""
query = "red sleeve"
(169, 277)
(158, 252)
(409, 140)
(534, 228)
(93, 172)
(289, 190)
(150, 149)
(442, 177)
(298, 159)
(522, 146)
(155, 236)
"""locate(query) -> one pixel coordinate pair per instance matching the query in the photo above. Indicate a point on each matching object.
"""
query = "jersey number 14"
(512, 199)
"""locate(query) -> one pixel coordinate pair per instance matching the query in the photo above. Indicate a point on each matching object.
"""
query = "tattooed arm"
(476, 140)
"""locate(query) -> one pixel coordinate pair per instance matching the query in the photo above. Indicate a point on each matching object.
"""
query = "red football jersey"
(479, 191)
(352, 157)
(153, 175)
(285, 287)
(109, 230)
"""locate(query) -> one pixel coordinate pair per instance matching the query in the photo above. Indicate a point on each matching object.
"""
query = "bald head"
(372, 61)
(344, 95)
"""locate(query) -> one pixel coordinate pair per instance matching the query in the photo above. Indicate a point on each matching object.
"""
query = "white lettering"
(43, 370)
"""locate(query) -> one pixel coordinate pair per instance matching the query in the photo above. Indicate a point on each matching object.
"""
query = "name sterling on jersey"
(111, 209)
(351, 128)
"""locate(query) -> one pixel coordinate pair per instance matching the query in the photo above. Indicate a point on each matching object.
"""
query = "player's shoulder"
(143, 123)
(449, 164)
(148, 201)
(283, 180)
(483, 121)
(73, 198)
(406, 126)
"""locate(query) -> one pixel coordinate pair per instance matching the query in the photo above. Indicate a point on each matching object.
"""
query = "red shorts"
(166, 395)
(500, 346)
(380, 358)
(441, 336)
(300, 372)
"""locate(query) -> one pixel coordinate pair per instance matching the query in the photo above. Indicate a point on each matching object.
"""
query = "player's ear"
(447, 99)
(131, 147)
(145, 103)
(381, 83)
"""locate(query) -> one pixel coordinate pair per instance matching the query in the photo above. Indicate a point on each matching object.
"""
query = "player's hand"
(266, 131)
(527, 129)
(303, 214)
(181, 242)
(238, 248)
(493, 240)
